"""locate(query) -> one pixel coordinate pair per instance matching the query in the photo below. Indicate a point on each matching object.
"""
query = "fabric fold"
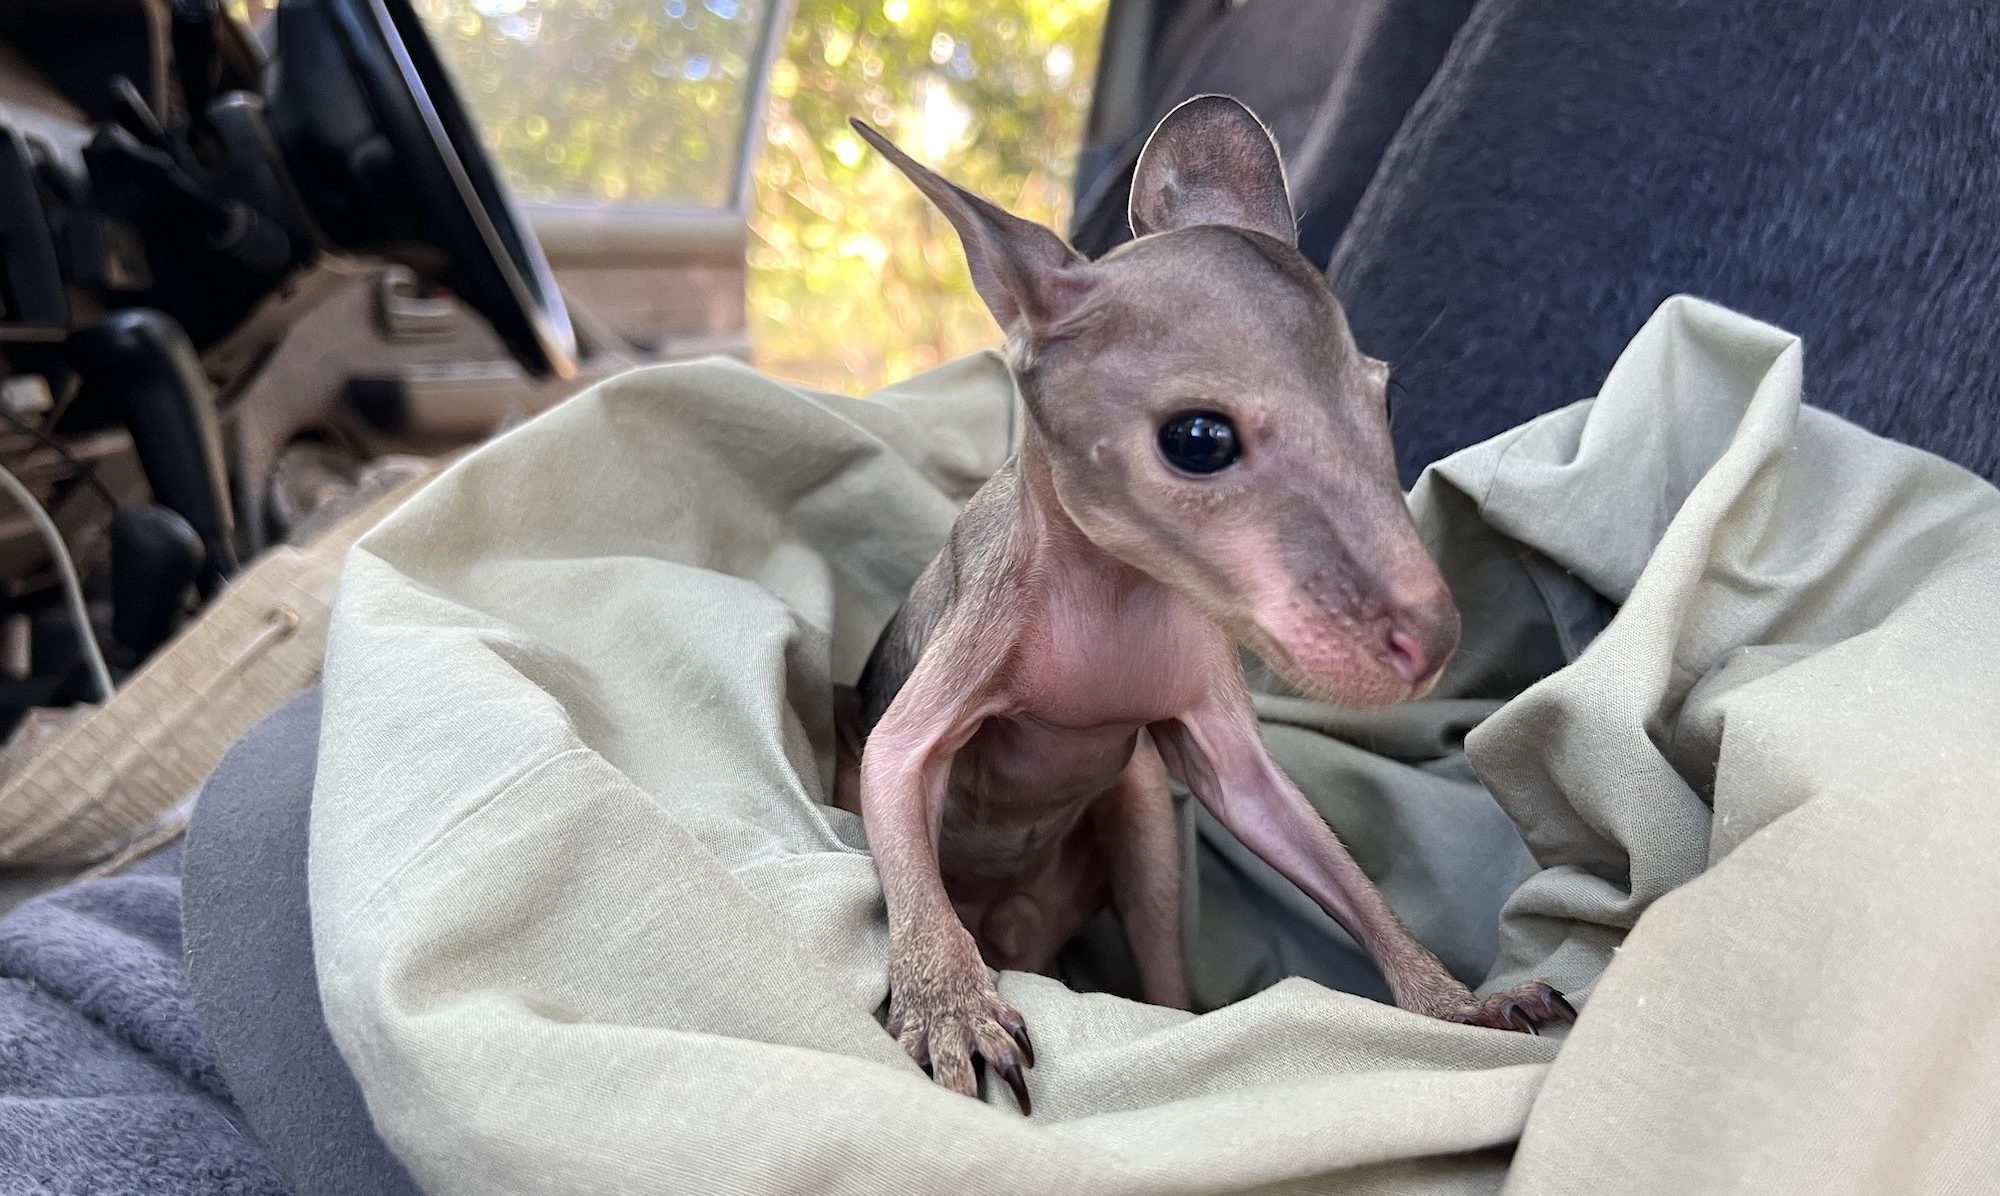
(583, 921)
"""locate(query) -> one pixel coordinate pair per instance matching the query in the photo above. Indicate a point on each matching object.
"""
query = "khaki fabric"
(583, 924)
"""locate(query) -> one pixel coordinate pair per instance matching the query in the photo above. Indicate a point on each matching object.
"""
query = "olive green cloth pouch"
(583, 922)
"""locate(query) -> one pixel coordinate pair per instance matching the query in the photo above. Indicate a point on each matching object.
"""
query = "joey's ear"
(1211, 161)
(1025, 273)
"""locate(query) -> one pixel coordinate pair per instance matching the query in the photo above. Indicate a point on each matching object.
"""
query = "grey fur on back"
(987, 517)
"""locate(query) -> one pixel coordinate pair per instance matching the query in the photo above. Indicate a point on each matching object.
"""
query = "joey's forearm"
(901, 837)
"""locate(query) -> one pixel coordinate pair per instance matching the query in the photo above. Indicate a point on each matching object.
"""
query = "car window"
(852, 281)
(632, 102)
(619, 101)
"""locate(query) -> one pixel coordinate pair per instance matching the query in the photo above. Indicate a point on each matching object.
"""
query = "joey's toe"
(1525, 1010)
(956, 1035)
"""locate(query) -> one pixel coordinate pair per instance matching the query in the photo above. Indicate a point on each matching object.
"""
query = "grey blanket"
(107, 1084)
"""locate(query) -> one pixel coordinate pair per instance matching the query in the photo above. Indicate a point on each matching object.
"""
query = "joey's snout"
(1419, 634)
(1368, 648)
(1363, 629)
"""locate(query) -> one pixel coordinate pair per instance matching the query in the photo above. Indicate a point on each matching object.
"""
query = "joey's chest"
(1106, 650)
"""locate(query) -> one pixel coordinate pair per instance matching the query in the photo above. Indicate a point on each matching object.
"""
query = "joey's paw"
(954, 1029)
(1526, 1008)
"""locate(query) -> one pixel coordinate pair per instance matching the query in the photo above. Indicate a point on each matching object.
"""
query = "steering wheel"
(386, 158)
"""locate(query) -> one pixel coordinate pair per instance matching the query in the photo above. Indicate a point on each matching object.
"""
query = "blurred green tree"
(854, 280)
(619, 101)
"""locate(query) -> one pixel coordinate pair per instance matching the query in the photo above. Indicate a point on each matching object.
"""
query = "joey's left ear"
(1211, 161)
(1026, 274)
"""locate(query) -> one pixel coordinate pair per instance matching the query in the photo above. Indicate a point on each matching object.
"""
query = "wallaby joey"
(1205, 463)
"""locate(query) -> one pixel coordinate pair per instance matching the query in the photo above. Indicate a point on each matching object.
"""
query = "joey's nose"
(1418, 642)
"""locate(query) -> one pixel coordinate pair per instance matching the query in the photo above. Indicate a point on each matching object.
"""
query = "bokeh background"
(853, 281)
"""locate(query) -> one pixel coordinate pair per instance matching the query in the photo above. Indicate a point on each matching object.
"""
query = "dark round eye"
(1199, 442)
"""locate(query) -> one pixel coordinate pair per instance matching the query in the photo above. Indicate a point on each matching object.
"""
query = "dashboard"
(174, 192)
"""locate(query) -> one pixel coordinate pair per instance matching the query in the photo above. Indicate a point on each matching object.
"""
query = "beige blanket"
(583, 923)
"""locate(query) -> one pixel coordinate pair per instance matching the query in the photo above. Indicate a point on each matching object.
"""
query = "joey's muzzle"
(1420, 634)
(1344, 634)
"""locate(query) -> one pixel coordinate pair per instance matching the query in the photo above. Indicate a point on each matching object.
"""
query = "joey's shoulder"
(970, 589)
(988, 544)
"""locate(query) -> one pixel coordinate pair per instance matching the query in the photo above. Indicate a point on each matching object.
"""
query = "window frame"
(597, 231)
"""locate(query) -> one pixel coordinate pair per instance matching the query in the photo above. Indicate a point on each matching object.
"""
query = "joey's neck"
(1048, 526)
(1052, 535)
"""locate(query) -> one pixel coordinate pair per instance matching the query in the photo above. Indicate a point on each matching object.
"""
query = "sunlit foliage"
(633, 101)
(854, 281)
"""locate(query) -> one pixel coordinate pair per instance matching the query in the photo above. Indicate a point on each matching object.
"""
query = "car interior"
(265, 274)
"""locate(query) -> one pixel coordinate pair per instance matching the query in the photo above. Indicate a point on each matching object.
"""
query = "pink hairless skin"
(1205, 463)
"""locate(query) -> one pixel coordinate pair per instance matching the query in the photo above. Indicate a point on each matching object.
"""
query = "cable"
(66, 570)
(82, 469)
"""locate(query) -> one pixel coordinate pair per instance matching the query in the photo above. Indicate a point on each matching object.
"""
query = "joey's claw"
(1525, 1009)
(1019, 1032)
(1015, 1080)
(955, 1031)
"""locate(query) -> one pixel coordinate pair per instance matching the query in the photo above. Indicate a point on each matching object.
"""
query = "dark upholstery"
(1332, 78)
(1830, 166)
(249, 937)
(163, 1033)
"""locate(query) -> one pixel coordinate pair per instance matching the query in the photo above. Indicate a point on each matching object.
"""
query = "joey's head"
(1205, 416)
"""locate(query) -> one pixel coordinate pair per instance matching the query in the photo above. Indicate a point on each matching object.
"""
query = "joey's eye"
(1199, 442)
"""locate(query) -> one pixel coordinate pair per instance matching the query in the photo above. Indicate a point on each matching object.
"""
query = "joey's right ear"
(1211, 161)
(1026, 274)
